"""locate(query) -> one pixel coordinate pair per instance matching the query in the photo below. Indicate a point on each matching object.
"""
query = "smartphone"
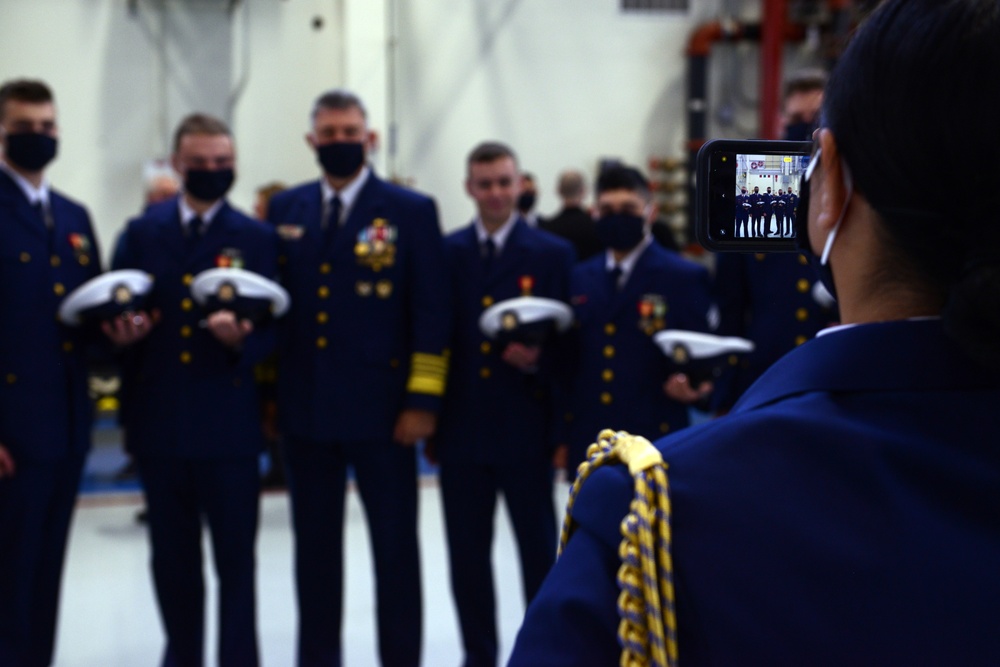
(747, 194)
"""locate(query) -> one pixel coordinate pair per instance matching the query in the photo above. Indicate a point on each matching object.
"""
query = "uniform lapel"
(629, 294)
(512, 256)
(13, 199)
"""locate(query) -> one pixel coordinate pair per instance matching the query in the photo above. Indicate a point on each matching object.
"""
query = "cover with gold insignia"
(105, 297)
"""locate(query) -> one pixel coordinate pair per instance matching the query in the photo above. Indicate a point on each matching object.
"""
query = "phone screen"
(748, 194)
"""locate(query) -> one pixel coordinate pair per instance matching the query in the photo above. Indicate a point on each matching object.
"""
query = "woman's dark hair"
(912, 107)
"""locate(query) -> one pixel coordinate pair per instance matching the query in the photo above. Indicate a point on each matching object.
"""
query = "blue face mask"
(820, 264)
(620, 231)
(30, 151)
(341, 159)
(208, 185)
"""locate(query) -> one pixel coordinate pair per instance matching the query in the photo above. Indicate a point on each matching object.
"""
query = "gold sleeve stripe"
(427, 374)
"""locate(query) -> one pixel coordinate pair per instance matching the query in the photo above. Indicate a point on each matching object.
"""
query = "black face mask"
(799, 131)
(30, 151)
(341, 159)
(525, 201)
(620, 231)
(208, 185)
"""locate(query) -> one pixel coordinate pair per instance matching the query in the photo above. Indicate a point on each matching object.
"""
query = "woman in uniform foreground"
(847, 511)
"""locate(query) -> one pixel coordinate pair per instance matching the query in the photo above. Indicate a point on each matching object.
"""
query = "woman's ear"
(829, 191)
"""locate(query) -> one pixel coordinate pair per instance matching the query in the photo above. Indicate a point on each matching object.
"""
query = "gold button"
(186, 304)
(606, 398)
(321, 342)
(58, 289)
(323, 291)
(11, 378)
(609, 329)
(484, 347)
(25, 257)
(67, 346)
(84, 260)
(802, 314)
(54, 260)
(484, 372)
(322, 317)
(733, 360)
(487, 301)
(803, 259)
(187, 279)
(800, 339)
(324, 267)
(608, 375)
(185, 331)
(609, 351)
(185, 357)
(664, 427)
(802, 285)
(760, 256)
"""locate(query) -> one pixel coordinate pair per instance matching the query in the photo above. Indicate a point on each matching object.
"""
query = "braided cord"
(648, 628)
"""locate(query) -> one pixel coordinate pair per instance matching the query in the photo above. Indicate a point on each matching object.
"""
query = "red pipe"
(772, 40)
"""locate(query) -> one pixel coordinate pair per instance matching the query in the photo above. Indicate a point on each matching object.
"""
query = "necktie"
(489, 253)
(331, 223)
(47, 222)
(196, 227)
(614, 275)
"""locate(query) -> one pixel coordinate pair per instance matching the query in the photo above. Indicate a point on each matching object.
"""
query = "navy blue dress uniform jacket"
(367, 330)
(493, 412)
(186, 393)
(767, 298)
(844, 513)
(616, 374)
(45, 413)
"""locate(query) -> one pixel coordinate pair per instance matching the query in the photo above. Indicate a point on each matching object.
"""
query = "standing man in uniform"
(791, 204)
(757, 211)
(768, 199)
(618, 377)
(742, 213)
(361, 374)
(495, 434)
(47, 248)
(193, 418)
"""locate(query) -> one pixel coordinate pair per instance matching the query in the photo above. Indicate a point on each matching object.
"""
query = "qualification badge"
(81, 248)
(290, 232)
(376, 245)
(652, 313)
(526, 284)
(229, 258)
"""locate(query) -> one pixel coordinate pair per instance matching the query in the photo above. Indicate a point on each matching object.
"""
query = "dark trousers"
(36, 506)
(469, 491)
(181, 494)
(386, 476)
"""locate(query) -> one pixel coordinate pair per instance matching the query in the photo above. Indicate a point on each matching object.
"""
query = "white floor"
(108, 615)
